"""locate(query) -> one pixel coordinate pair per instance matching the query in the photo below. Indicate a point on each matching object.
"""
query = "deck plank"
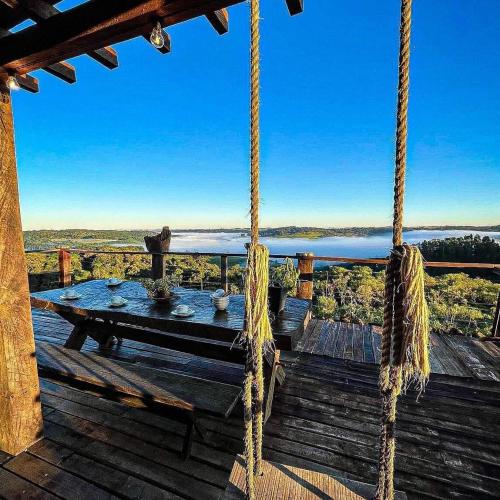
(325, 418)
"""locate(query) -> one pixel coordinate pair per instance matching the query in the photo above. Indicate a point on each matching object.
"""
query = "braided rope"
(394, 312)
(402, 121)
(258, 333)
(254, 118)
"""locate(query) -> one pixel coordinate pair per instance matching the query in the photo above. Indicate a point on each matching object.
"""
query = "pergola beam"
(219, 20)
(295, 6)
(41, 10)
(62, 70)
(92, 25)
(29, 83)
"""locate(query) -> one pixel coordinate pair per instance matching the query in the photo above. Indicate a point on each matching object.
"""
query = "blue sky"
(164, 139)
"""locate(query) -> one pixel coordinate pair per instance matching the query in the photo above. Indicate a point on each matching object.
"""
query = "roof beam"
(41, 10)
(295, 6)
(27, 82)
(62, 70)
(94, 24)
(219, 20)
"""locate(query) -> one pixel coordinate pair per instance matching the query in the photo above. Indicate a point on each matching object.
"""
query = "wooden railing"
(305, 264)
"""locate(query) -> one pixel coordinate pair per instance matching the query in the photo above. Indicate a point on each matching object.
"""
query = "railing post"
(495, 331)
(223, 273)
(64, 268)
(305, 265)
(157, 245)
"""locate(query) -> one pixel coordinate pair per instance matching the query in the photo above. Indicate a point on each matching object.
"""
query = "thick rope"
(258, 334)
(406, 323)
(402, 121)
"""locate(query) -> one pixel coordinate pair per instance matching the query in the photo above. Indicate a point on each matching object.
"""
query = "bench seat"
(187, 394)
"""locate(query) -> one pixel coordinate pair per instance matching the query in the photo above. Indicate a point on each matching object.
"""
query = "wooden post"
(305, 265)
(223, 273)
(20, 411)
(64, 268)
(158, 244)
(495, 331)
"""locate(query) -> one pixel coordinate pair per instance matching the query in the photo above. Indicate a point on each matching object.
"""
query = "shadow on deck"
(325, 417)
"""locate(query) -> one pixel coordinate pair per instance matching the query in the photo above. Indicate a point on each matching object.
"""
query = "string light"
(12, 83)
(157, 39)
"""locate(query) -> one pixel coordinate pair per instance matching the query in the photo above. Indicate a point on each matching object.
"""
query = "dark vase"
(277, 299)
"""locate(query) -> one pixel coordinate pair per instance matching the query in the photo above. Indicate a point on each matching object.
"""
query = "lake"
(369, 246)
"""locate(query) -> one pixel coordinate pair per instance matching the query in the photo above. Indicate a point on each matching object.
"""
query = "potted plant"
(160, 290)
(283, 279)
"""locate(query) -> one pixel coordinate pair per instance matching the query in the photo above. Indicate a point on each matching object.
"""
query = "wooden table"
(92, 316)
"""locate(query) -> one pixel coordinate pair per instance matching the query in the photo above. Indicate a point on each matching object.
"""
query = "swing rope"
(405, 332)
(257, 335)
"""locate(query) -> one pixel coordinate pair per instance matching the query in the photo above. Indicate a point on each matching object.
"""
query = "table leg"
(271, 377)
(77, 337)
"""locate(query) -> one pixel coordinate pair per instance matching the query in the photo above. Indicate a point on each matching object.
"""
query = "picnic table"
(92, 315)
(208, 333)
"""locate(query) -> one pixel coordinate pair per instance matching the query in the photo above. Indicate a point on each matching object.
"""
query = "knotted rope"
(405, 333)
(257, 335)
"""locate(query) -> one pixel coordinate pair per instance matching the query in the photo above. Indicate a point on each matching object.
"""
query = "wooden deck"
(453, 355)
(325, 418)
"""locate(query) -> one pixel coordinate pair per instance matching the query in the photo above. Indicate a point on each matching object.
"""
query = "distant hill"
(90, 238)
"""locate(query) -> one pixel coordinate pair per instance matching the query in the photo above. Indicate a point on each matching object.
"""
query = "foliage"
(471, 248)
(285, 275)
(161, 287)
(457, 302)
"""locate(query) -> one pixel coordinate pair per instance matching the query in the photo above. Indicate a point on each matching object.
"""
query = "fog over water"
(369, 246)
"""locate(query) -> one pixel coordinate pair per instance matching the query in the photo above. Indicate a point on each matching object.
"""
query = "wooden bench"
(183, 396)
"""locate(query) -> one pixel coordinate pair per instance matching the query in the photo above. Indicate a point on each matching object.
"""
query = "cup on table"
(114, 281)
(70, 294)
(117, 300)
(182, 309)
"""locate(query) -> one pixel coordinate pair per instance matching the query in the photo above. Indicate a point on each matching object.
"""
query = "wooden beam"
(219, 20)
(295, 6)
(41, 10)
(93, 24)
(20, 410)
(62, 70)
(168, 44)
(29, 83)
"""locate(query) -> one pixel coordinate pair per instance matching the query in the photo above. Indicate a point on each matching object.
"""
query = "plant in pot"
(283, 279)
(160, 290)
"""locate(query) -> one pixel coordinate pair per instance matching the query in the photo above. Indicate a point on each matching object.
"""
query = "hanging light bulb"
(12, 83)
(156, 38)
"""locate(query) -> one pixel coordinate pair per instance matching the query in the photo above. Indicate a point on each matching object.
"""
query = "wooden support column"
(20, 411)
(223, 273)
(305, 265)
(158, 244)
(64, 268)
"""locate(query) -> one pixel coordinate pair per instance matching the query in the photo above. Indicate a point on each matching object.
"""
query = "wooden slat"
(91, 25)
(12, 485)
(41, 10)
(62, 70)
(295, 6)
(181, 391)
(219, 20)
(280, 481)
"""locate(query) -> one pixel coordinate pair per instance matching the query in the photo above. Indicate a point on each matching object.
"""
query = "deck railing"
(305, 264)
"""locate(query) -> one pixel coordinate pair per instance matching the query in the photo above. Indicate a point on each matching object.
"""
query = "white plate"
(63, 297)
(183, 315)
(121, 304)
